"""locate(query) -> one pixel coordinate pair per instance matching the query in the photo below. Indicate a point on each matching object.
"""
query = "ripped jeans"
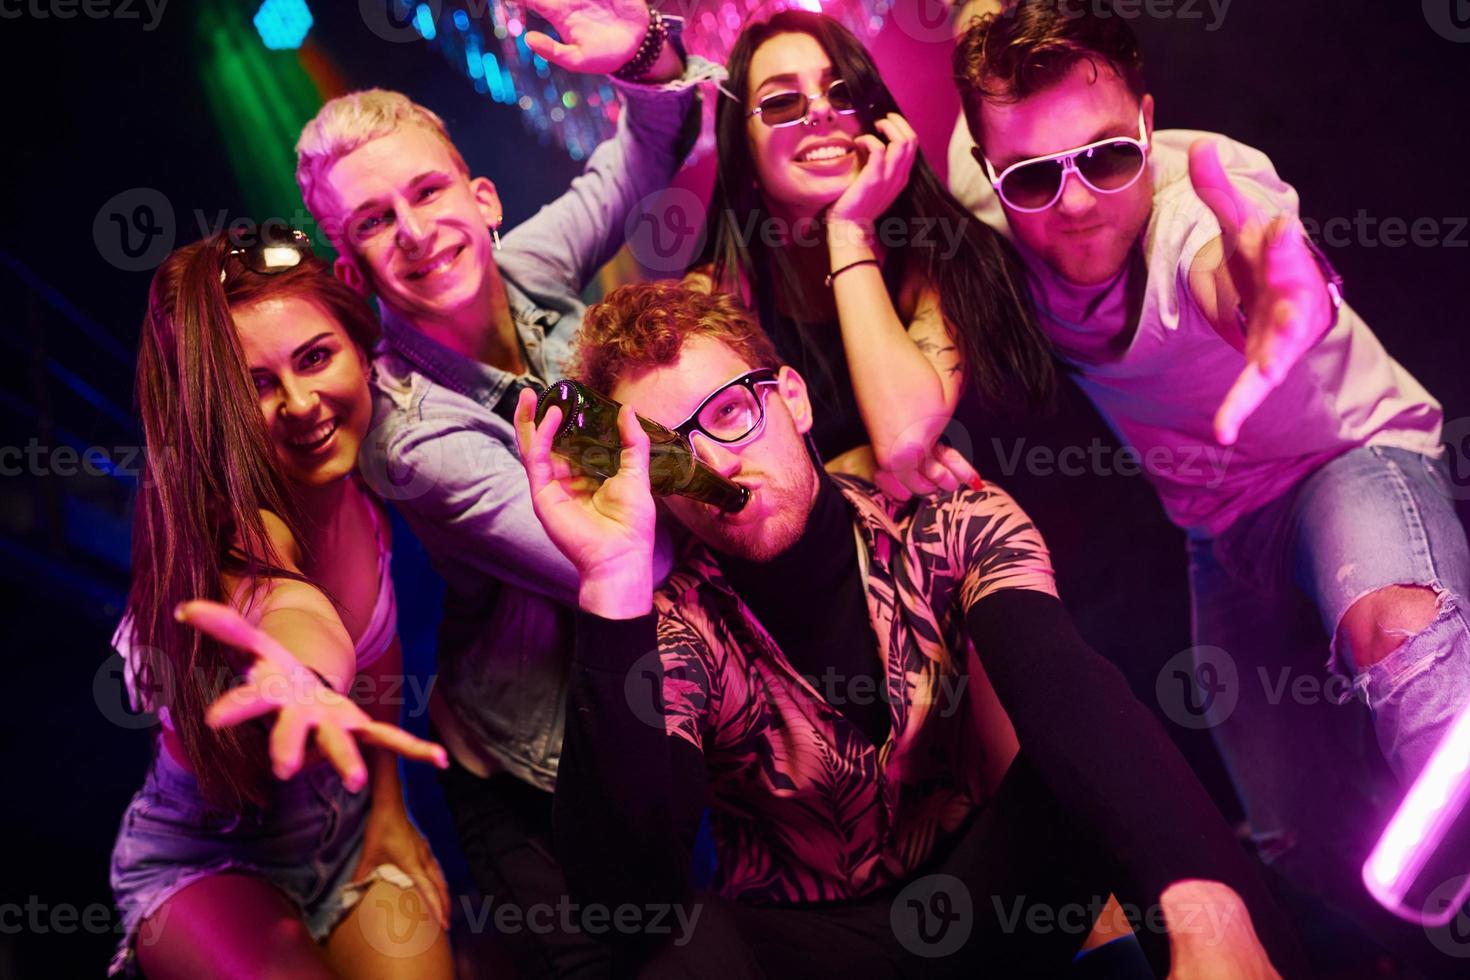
(1304, 734)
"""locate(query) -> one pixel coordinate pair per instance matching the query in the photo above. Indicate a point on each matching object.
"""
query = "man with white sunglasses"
(1172, 273)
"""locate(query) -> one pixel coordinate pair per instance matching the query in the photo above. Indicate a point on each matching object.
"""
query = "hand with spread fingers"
(597, 36)
(1280, 284)
(276, 681)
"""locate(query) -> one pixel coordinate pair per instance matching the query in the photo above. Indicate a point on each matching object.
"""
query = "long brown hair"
(209, 472)
(982, 288)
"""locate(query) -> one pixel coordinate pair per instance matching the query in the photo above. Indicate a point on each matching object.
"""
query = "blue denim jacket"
(450, 465)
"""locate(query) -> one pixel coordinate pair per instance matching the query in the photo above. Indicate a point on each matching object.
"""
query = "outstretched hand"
(597, 36)
(1281, 286)
(277, 682)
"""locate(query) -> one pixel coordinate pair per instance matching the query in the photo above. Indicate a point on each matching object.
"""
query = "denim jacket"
(450, 464)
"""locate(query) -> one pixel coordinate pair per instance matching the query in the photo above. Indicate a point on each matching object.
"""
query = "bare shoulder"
(283, 542)
(284, 549)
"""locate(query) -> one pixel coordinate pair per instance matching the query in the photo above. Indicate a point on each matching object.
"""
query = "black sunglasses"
(788, 108)
(268, 248)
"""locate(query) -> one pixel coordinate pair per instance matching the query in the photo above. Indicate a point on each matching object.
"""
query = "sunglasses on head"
(791, 107)
(1106, 166)
(268, 249)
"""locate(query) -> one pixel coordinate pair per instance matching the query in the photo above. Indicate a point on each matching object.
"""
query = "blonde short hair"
(348, 122)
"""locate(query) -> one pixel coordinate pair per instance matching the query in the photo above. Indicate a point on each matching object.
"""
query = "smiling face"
(414, 223)
(1086, 235)
(774, 465)
(801, 168)
(312, 382)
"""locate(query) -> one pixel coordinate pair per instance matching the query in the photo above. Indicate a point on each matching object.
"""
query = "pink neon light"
(1418, 829)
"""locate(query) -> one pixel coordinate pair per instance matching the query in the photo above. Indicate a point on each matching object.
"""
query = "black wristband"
(851, 265)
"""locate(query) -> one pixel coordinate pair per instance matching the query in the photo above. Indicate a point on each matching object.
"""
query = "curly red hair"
(643, 325)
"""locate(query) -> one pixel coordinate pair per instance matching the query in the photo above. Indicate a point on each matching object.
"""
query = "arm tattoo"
(933, 351)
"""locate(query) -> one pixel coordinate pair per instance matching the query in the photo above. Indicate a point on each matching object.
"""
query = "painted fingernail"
(976, 483)
(179, 612)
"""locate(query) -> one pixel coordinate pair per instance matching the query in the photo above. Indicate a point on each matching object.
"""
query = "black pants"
(504, 829)
(1016, 895)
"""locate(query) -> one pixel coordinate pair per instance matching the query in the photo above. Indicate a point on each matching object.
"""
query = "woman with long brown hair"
(257, 551)
(871, 279)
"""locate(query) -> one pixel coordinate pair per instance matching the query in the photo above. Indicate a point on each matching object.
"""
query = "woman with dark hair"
(258, 552)
(874, 283)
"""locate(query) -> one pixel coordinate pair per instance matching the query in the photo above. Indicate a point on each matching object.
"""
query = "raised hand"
(1281, 286)
(597, 36)
(883, 175)
(605, 529)
(277, 682)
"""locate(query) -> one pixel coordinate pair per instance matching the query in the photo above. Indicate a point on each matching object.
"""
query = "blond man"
(472, 316)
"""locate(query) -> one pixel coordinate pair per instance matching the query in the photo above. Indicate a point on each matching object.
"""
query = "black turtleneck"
(811, 599)
(629, 796)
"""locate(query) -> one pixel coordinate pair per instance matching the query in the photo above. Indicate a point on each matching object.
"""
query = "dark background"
(1360, 104)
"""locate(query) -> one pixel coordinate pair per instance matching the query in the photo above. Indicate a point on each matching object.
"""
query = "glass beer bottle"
(588, 439)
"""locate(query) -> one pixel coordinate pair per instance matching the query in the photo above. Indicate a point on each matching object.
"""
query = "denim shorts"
(306, 843)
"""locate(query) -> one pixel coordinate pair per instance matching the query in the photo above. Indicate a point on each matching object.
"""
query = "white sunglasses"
(1106, 166)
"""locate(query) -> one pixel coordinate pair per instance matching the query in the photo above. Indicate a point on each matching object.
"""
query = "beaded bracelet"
(648, 51)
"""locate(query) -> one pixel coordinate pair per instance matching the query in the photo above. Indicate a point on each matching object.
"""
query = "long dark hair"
(982, 287)
(209, 471)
